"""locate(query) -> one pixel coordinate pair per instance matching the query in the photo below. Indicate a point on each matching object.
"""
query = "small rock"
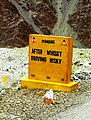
(3, 92)
(25, 64)
(81, 53)
(19, 119)
(89, 63)
(73, 77)
(77, 62)
(86, 63)
(18, 102)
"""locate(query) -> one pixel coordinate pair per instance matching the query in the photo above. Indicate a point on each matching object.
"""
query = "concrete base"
(30, 83)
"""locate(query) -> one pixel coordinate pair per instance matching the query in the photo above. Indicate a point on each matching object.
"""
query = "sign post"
(50, 63)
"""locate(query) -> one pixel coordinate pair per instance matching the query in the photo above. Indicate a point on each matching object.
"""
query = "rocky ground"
(27, 104)
(77, 112)
(81, 66)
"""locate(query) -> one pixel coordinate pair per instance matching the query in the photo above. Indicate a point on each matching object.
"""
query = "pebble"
(3, 92)
(19, 119)
(73, 78)
(77, 62)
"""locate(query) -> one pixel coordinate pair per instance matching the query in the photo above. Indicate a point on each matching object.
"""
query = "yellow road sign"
(50, 59)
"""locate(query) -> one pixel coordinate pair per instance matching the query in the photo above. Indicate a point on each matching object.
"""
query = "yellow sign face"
(50, 58)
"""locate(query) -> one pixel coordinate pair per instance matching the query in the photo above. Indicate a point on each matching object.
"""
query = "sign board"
(50, 61)
(50, 58)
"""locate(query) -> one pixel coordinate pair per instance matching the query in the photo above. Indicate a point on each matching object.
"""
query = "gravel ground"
(13, 63)
(27, 104)
(81, 112)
